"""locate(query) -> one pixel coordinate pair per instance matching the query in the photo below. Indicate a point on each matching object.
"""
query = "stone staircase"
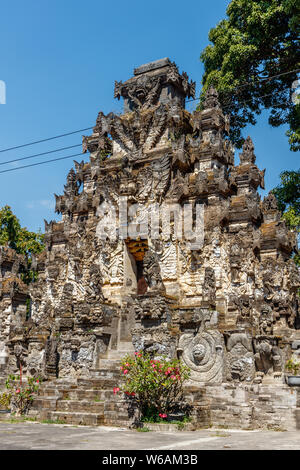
(87, 400)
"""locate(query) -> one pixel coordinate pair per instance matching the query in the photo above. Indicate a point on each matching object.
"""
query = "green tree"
(288, 199)
(20, 239)
(259, 39)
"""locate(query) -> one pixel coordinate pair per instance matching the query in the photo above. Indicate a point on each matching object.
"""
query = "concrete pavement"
(34, 436)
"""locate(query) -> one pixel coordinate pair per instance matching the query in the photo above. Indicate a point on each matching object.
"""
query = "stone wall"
(273, 406)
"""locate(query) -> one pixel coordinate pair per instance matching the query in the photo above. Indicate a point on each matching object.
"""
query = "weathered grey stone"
(228, 307)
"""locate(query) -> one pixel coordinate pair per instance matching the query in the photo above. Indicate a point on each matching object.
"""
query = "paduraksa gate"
(121, 273)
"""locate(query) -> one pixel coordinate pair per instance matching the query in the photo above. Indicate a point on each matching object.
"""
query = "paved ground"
(28, 435)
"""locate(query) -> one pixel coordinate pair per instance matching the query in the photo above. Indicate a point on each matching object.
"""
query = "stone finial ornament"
(247, 156)
(211, 98)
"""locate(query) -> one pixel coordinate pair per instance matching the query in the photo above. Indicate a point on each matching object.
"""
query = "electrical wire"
(40, 163)
(89, 128)
(40, 154)
(45, 140)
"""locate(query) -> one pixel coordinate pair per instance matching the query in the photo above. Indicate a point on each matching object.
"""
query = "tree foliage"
(257, 40)
(19, 238)
(288, 199)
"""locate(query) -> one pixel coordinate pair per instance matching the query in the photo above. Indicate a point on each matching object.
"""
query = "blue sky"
(59, 60)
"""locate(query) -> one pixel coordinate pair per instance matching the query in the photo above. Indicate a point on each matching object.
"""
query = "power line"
(40, 154)
(45, 140)
(77, 154)
(257, 97)
(41, 163)
(251, 83)
(89, 128)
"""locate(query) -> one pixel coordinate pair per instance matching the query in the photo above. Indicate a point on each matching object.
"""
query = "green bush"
(156, 385)
(21, 394)
(292, 366)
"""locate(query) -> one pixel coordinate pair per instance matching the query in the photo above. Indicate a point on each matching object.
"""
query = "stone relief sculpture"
(240, 358)
(203, 352)
(268, 356)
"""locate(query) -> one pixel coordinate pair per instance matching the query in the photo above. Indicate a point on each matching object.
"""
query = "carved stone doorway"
(137, 250)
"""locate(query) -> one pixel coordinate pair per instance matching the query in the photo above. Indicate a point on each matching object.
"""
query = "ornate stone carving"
(203, 352)
(247, 156)
(211, 98)
(90, 287)
(152, 272)
(51, 357)
(144, 90)
(270, 203)
(240, 358)
(268, 356)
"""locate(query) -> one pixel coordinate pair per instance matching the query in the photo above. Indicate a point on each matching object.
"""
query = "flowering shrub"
(155, 384)
(20, 394)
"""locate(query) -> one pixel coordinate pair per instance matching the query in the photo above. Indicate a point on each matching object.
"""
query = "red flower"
(116, 389)
(163, 415)
(132, 394)
(37, 381)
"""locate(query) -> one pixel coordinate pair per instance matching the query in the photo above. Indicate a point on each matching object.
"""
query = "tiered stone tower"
(108, 284)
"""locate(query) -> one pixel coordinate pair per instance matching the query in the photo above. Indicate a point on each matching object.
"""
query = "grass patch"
(143, 429)
(157, 420)
(276, 429)
(221, 434)
(53, 421)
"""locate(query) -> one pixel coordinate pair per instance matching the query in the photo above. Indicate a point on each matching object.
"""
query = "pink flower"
(37, 381)
(116, 389)
(125, 371)
(17, 391)
(173, 377)
(163, 415)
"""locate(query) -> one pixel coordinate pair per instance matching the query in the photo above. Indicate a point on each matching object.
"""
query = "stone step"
(111, 418)
(117, 354)
(102, 383)
(126, 346)
(76, 418)
(108, 373)
(84, 406)
(58, 387)
(44, 403)
(109, 364)
(93, 394)
(51, 393)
